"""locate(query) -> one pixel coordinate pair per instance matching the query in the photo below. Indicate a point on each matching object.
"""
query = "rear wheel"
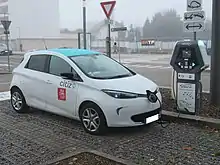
(93, 119)
(18, 101)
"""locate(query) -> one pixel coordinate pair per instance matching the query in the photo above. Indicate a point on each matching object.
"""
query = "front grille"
(142, 117)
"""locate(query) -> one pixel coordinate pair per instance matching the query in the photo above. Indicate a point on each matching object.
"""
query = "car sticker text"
(67, 84)
(61, 94)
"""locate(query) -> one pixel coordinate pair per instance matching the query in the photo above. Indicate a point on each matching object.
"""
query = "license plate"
(152, 119)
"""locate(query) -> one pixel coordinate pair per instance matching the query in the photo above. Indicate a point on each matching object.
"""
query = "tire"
(98, 119)
(18, 101)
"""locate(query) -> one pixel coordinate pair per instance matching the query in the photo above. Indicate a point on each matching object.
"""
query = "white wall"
(34, 18)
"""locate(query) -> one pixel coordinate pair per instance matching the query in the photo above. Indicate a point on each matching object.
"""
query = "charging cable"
(153, 98)
(163, 123)
(174, 94)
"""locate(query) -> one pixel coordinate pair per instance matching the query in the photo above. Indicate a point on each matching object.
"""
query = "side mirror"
(70, 76)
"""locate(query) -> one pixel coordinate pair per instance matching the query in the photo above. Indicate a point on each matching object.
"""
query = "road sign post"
(194, 17)
(109, 39)
(215, 58)
(84, 23)
(118, 29)
(108, 8)
(6, 24)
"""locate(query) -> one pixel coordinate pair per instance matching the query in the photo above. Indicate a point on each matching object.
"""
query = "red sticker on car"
(61, 92)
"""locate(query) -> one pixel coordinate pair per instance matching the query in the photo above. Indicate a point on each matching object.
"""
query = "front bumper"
(130, 112)
(141, 118)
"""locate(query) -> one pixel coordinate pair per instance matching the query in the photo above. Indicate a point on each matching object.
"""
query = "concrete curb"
(174, 116)
(1, 73)
(65, 156)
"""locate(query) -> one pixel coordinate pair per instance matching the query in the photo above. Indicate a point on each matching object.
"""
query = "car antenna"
(45, 45)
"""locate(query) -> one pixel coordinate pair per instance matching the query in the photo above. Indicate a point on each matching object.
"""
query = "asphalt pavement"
(37, 137)
(153, 66)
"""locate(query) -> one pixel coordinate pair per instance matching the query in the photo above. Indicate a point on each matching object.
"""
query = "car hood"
(134, 84)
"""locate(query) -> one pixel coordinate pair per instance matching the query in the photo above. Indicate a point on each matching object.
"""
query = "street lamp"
(84, 23)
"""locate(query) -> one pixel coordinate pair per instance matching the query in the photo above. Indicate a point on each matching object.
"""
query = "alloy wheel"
(17, 101)
(90, 119)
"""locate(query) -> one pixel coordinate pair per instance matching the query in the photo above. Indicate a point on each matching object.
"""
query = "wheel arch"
(83, 103)
(90, 102)
(16, 87)
(13, 88)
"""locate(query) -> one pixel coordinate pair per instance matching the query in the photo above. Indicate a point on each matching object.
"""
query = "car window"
(101, 67)
(58, 66)
(37, 62)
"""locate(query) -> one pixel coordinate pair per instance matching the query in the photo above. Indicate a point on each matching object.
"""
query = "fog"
(128, 11)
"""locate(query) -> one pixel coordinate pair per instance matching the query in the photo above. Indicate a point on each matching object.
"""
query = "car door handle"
(48, 82)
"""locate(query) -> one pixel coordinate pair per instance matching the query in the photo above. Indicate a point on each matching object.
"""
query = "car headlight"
(120, 94)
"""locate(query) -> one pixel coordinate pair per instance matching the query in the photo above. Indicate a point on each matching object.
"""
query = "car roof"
(73, 52)
(68, 52)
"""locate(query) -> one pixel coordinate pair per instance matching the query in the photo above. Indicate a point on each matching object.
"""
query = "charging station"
(188, 63)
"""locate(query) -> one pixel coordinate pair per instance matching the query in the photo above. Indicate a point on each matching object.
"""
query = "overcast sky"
(130, 11)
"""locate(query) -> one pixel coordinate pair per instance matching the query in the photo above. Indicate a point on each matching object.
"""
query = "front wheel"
(18, 101)
(93, 119)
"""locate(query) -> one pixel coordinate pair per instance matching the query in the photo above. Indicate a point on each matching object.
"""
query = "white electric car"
(84, 85)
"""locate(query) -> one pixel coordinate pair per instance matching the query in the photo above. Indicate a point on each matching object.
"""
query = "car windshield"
(101, 67)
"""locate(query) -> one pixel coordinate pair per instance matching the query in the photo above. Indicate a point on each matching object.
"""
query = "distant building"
(66, 33)
(100, 31)
(31, 18)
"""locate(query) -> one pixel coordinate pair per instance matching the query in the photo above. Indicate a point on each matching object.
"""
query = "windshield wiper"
(119, 76)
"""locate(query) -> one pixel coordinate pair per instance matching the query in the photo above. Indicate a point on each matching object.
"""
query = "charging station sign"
(186, 97)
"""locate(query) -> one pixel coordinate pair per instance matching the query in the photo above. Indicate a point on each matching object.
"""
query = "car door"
(61, 95)
(33, 80)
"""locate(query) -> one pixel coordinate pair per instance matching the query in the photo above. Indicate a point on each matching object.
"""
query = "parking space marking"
(3, 65)
(149, 66)
(153, 67)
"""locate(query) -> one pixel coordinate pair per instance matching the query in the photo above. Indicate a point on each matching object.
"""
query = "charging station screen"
(186, 54)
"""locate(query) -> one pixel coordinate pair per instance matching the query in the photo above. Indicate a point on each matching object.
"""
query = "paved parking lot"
(37, 137)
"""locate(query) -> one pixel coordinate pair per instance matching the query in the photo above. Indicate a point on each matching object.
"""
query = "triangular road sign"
(108, 7)
(6, 24)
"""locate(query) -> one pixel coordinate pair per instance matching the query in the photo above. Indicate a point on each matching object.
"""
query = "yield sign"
(6, 24)
(108, 7)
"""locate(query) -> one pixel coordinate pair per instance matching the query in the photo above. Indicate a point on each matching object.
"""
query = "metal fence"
(100, 45)
(137, 47)
(133, 47)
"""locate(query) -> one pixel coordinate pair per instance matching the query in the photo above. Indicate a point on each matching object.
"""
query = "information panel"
(186, 97)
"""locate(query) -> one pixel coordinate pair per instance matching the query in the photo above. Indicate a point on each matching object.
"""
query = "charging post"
(188, 63)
